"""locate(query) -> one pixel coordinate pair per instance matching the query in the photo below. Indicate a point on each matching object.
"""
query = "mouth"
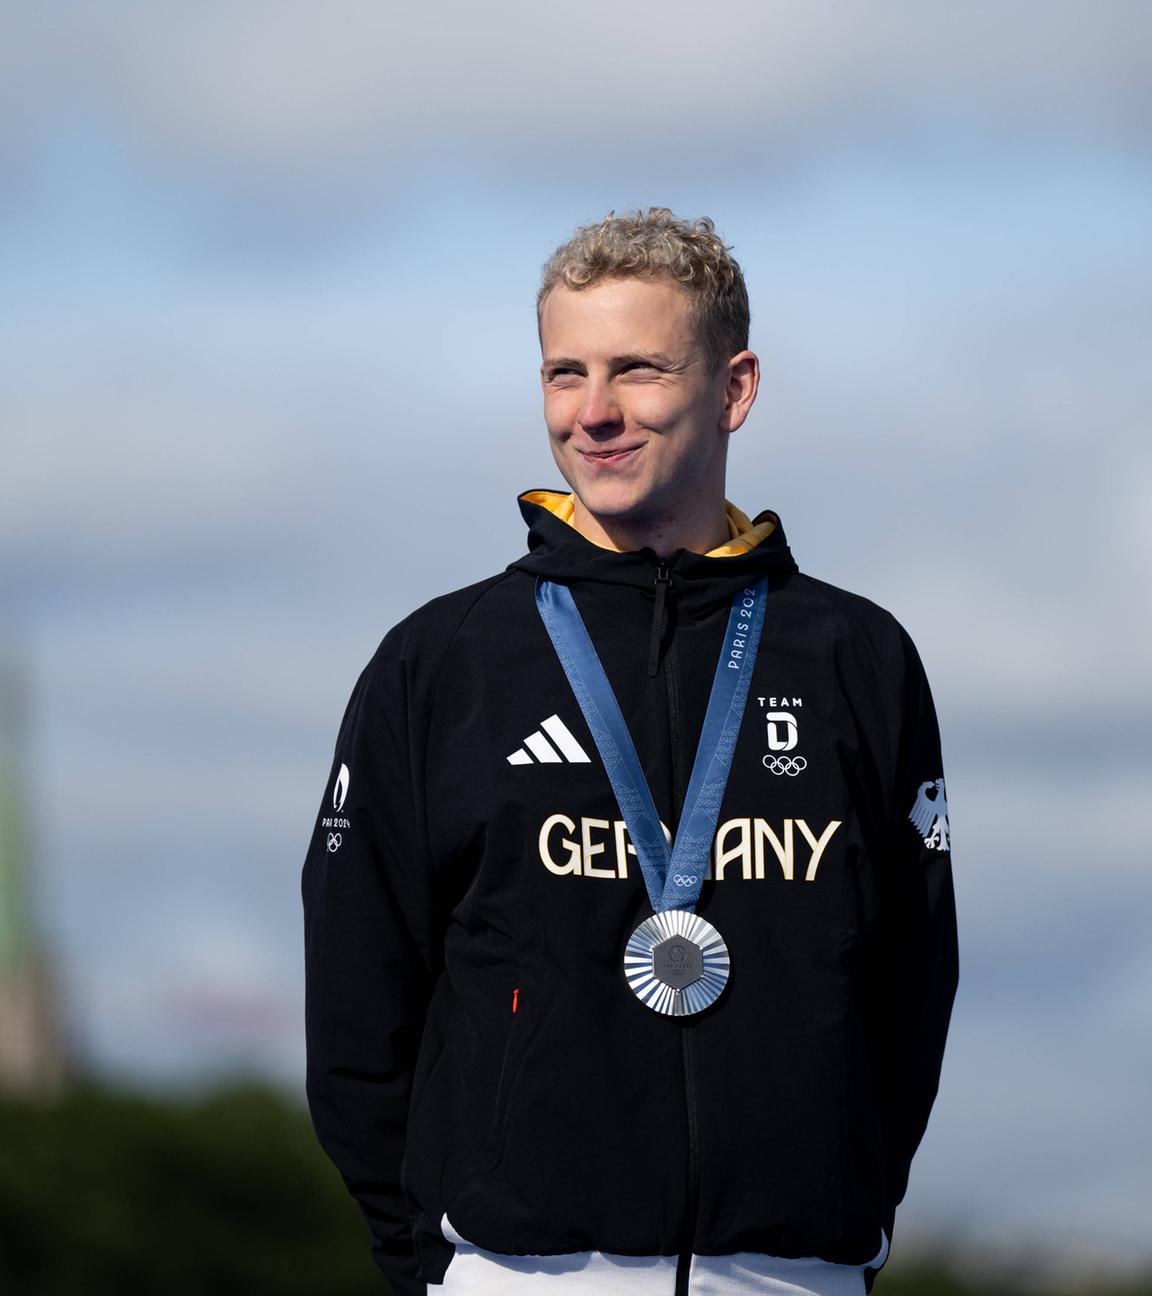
(606, 458)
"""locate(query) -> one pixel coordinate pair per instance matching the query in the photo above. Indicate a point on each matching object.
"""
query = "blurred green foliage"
(939, 1277)
(107, 1192)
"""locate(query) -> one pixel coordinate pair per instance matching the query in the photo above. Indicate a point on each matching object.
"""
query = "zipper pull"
(663, 580)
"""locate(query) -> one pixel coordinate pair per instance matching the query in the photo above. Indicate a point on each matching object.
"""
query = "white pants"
(476, 1272)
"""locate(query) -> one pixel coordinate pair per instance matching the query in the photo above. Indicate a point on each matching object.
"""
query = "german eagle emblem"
(929, 815)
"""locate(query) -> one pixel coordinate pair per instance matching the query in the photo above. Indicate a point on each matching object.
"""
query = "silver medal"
(676, 963)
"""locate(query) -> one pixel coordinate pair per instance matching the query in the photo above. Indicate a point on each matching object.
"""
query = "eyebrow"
(653, 357)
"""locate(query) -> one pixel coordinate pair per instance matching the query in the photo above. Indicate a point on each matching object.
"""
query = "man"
(546, 1048)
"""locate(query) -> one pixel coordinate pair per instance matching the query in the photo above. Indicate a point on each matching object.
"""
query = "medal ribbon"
(673, 876)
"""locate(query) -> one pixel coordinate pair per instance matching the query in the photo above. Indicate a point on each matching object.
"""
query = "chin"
(610, 501)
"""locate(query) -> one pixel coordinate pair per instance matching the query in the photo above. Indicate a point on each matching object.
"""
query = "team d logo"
(783, 732)
(929, 815)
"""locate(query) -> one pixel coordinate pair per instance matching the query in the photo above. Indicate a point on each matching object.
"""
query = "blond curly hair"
(655, 244)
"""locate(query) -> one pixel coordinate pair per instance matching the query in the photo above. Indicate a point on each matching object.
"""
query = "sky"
(268, 274)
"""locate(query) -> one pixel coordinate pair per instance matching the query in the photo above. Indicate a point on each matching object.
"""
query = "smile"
(606, 458)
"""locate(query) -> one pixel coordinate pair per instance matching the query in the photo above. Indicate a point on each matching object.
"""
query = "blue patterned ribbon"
(673, 877)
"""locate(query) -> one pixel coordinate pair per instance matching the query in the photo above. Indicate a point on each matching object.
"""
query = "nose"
(599, 410)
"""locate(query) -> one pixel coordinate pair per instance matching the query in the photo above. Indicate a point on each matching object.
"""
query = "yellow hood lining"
(742, 535)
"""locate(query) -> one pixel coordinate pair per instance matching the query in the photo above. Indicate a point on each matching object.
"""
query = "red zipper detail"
(515, 998)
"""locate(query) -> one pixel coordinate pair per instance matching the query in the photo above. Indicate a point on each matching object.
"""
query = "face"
(637, 424)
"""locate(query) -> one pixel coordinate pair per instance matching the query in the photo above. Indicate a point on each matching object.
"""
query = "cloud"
(140, 454)
(285, 80)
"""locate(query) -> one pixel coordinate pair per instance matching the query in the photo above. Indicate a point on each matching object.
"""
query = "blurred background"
(267, 272)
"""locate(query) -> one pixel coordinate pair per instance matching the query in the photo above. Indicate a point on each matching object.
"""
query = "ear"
(740, 388)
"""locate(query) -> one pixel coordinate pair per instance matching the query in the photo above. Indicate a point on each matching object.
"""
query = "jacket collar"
(701, 582)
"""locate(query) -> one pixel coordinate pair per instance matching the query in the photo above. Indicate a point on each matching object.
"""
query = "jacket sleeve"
(372, 951)
(917, 947)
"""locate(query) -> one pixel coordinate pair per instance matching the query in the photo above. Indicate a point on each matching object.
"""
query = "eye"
(639, 364)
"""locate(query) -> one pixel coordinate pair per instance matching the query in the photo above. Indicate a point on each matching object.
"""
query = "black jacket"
(473, 1047)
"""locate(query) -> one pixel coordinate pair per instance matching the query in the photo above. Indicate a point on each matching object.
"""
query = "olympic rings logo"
(334, 841)
(790, 765)
(684, 879)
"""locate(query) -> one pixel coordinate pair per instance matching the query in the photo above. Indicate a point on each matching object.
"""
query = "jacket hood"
(702, 582)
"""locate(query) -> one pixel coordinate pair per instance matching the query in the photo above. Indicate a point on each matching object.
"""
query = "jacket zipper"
(688, 1238)
(687, 1039)
(663, 580)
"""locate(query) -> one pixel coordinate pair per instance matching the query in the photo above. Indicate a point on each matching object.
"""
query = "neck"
(698, 529)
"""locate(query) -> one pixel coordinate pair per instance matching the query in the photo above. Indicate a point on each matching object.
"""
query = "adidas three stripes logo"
(566, 747)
